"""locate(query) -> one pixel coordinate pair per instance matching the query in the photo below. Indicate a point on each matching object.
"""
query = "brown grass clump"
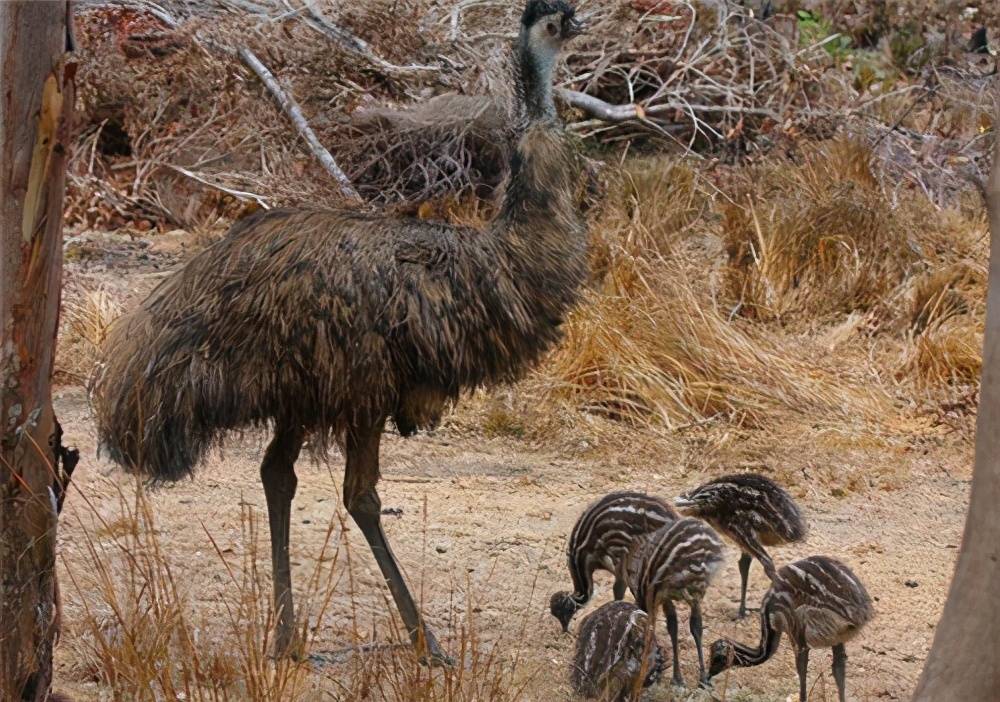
(651, 348)
(948, 352)
(944, 293)
(87, 314)
(946, 320)
(815, 238)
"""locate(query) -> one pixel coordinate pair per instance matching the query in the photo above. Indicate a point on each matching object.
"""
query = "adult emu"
(326, 323)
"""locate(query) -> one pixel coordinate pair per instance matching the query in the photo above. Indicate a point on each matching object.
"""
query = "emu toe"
(433, 656)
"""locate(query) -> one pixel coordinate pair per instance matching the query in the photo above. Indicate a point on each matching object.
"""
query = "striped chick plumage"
(609, 653)
(753, 511)
(676, 563)
(601, 540)
(820, 603)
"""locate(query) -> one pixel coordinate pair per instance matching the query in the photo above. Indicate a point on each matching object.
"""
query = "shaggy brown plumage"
(328, 322)
(326, 318)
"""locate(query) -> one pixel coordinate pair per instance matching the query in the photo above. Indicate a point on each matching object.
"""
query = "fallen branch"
(608, 112)
(294, 113)
(238, 194)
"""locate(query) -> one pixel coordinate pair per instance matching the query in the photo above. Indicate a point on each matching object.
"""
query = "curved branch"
(608, 112)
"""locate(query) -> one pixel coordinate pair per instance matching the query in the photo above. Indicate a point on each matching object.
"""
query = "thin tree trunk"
(36, 99)
(964, 662)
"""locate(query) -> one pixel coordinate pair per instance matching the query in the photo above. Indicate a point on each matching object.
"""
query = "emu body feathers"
(324, 319)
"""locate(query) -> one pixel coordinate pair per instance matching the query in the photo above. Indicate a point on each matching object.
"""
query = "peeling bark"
(36, 99)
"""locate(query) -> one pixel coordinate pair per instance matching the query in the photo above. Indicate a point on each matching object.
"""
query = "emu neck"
(746, 656)
(583, 583)
(541, 193)
(535, 70)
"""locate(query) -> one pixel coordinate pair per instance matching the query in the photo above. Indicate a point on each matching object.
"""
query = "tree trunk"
(964, 663)
(36, 100)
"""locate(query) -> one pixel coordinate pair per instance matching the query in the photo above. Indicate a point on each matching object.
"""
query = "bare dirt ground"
(480, 527)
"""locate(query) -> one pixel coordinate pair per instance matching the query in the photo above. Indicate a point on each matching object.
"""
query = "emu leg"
(840, 671)
(802, 665)
(619, 587)
(634, 690)
(365, 507)
(745, 561)
(670, 612)
(695, 624)
(277, 473)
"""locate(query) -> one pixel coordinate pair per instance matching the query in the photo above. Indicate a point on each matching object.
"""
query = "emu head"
(694, 502)
(720, 657)
(563, 607)
(546, 25)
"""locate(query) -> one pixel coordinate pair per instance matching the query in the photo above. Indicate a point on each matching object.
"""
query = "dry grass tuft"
(650, 350)
(814, 239)
(145, 636)
(948, 353)
(87, 314)
(944, 293)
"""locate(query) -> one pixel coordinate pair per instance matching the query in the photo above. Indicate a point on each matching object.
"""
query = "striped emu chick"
(601, 540)
(676, 563)
(820, 603)
(610, 651)
(753, 511)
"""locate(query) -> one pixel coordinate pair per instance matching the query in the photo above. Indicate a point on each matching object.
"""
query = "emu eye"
(552, 29)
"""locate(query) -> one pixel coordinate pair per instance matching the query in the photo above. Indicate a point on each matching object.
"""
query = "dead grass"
(816, 238)
(948, 353)
(146, 636)
(87, 314)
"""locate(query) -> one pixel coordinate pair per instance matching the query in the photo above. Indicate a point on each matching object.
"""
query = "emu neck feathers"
(770, 637)
(535, 71)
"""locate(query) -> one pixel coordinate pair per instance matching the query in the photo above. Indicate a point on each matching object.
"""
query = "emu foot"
(431, 653)
(291, 648)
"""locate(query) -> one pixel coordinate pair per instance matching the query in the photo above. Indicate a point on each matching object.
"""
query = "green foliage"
(908, 48)
(814, 28)
(871, 68)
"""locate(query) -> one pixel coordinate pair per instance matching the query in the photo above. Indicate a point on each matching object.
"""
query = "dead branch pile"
(411, 100)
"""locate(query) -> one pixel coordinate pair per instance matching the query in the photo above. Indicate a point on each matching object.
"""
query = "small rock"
(441, 548)
(307, 521)
(911, 583)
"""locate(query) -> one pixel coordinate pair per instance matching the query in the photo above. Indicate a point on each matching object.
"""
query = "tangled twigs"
(294, 112)
(353, 44)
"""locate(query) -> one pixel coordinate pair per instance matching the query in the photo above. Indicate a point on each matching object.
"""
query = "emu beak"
(565, 628)
(573, 27)
(683, 502)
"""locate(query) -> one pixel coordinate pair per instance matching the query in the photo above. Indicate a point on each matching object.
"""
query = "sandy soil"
(482, 524)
